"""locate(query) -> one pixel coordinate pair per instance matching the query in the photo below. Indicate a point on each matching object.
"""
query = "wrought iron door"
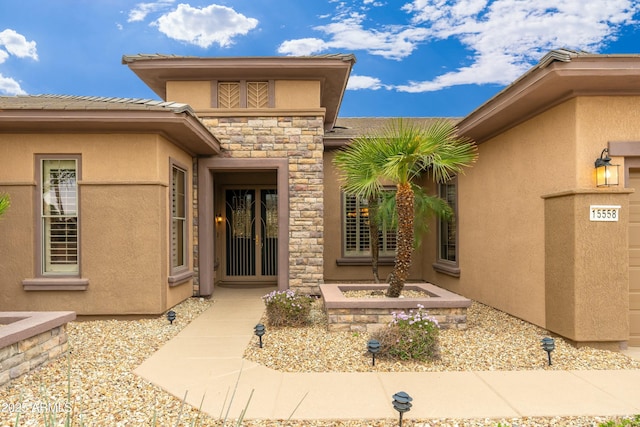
(251, 234)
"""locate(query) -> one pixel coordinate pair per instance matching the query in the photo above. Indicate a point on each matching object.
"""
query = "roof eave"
(550, 83)
(182, 129)
(331, 70)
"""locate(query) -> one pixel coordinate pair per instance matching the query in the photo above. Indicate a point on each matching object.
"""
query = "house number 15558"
(604, 213)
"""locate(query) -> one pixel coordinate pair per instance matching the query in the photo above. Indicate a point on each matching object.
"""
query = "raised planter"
(29, 339)
(369, 314)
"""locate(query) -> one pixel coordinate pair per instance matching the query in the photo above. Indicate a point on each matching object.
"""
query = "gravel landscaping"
(98, 373)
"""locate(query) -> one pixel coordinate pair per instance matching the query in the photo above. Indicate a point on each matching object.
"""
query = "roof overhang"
(560, 76)
(182, 129)
(331, 70)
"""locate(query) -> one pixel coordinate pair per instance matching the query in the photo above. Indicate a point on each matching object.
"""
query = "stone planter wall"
(370, 314)
(29, 340)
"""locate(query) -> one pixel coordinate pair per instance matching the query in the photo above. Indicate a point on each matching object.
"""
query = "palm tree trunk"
(373, 237)
(404, 251)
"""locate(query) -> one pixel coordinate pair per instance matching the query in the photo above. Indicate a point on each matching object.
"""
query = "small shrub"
(625, 422)
(410, 336)
(287, 308)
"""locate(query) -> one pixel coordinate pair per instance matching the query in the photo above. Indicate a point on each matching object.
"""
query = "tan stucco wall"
(501, 213)
(297, 94)
(124, 224)
(289, 94)
(586, 268)
(539, 258)
(195, 93)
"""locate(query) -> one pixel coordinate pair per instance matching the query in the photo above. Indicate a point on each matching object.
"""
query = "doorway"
(251, 235)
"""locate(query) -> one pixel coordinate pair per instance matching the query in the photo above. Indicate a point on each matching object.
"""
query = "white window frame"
(68, 201)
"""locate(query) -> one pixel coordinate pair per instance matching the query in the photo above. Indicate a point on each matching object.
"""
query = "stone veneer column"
(300, 140)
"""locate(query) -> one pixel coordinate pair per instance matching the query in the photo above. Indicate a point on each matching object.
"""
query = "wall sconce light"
(219, 219)
(606, 173)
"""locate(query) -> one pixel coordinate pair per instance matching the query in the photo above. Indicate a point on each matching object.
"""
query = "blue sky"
(420, 58)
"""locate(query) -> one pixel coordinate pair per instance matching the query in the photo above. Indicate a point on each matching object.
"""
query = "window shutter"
(228, 95)
(257, 94)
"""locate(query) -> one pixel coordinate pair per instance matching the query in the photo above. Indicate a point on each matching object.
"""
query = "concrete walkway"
(205, 359)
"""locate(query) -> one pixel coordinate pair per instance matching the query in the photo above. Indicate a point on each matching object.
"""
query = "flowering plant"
(287, 308)
(412, 335)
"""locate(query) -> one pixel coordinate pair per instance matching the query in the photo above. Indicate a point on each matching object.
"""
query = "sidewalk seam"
(498, 394)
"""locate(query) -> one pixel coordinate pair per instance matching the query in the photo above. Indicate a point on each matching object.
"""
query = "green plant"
(625, 422)
(400, 154)
(5, 202)
(412, 335)
(287, 308)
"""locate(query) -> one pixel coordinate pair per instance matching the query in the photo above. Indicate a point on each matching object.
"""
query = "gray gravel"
(98, 373)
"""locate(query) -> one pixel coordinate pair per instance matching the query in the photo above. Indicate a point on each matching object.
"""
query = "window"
(178, 218)
(59, 216)
(244, 94)
(447, 261)
(356, 230)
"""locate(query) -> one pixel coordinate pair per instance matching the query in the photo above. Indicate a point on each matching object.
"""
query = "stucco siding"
(123, 221)
(501, 213)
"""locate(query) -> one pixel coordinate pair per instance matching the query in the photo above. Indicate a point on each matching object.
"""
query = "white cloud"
(141, 10)
(13, 43)
(508, 36)
(9, 86)
(504, 38)
(302, 47)
(364, 82)
(347, 32)
(206, 26)
(16, 44)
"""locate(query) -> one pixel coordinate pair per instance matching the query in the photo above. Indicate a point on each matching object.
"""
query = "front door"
(251, 235)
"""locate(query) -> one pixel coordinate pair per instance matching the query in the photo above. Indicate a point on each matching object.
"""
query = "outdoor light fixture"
(401, 403)
(259, 331)
(373, 346)
(219, 218)
(548, 345)
(171, 316)
(606, 173)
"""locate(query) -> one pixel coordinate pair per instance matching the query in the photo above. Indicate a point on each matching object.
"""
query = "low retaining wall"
(31, 339)
(370, 314)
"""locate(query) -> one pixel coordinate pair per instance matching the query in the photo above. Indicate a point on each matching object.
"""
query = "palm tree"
(400, 154)
(5, 202)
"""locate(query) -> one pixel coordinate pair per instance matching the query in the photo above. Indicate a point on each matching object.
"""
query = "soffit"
(331, 70)
(554, 80)
(71, 114)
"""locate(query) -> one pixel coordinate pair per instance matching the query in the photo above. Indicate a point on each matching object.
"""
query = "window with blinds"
(178, 217)
(356, 239)
(59, 215)
(243, 94)
(447, 238)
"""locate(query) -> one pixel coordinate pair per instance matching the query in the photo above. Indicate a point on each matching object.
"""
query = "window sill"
(363, 261)
(449, 269)
(180, 278)
(55, 284)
